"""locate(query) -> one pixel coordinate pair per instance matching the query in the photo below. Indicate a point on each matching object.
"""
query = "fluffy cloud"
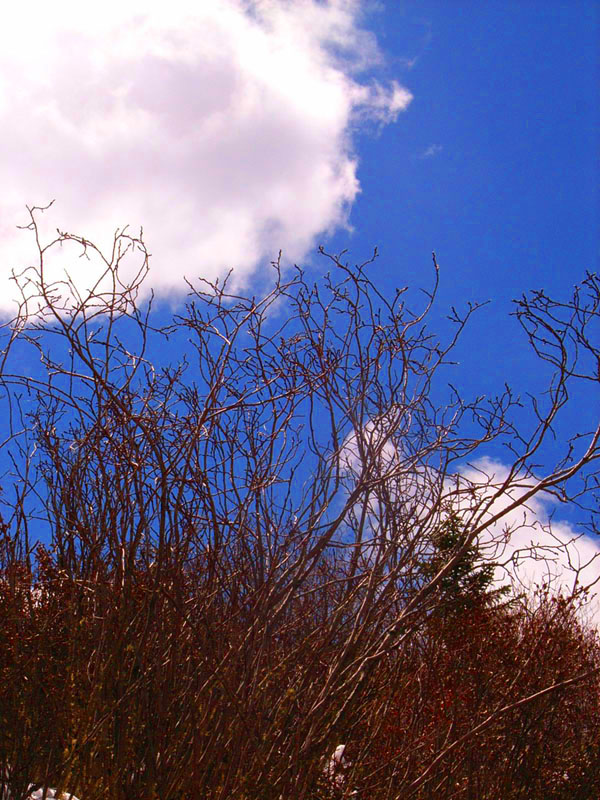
(530, 545)
(221, 127)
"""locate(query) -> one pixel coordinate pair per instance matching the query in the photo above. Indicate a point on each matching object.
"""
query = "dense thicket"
(215, 569)
(155, 689)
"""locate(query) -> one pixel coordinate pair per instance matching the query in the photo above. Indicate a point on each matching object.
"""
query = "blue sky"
(229, 130)
(494, 165)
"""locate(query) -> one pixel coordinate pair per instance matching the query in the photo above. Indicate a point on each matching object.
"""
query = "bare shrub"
(240, 538)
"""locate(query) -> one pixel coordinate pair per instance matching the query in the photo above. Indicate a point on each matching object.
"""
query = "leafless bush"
(241, 535)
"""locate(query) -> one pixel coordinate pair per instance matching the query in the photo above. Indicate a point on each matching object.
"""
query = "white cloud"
(221, 127)
(431, 151)
(531, 545)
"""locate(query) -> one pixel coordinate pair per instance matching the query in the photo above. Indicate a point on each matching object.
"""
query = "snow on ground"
(334, 770)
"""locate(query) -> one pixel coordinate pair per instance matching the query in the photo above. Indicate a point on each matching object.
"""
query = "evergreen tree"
(471, 579)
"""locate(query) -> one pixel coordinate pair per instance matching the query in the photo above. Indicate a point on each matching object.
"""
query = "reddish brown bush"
(469, 713)
(247, 557)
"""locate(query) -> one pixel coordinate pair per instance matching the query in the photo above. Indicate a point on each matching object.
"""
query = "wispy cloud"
(223, 127)
(408, 63)
(431, 151)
